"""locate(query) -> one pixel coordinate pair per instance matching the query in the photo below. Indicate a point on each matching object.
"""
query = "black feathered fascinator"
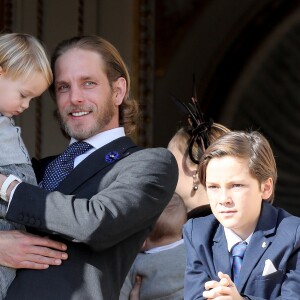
(198, 125)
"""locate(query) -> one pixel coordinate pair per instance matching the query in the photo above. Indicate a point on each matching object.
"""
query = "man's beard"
(100, 122)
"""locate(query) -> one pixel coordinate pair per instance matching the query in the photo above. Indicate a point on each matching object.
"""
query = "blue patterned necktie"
(59, 168)
(238, 252)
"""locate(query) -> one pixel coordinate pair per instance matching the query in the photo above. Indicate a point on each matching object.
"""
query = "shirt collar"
(163, 248)
(233, 238)
(103, 138)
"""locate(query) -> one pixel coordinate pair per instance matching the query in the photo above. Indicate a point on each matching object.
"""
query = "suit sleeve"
(127, 200)
(195, 273)
(290, 287)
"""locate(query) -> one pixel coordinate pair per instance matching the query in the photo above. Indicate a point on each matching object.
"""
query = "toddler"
(25, 74)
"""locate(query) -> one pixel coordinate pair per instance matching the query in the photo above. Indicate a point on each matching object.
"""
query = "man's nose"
(76, 95)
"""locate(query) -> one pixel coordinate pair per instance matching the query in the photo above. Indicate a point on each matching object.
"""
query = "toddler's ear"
(267, 188)
(1, 71)
(144, 246)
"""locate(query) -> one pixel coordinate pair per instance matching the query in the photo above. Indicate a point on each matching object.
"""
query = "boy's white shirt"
(233, 238)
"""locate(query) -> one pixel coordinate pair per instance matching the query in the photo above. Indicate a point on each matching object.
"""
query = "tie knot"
(239, 249)
(77, 148)
(60, 167)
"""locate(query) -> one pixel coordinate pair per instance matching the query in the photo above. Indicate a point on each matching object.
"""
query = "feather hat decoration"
(198, 125)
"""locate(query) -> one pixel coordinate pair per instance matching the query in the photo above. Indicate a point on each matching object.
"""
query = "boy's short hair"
(21, 54)
(171, 220)
(246, 145)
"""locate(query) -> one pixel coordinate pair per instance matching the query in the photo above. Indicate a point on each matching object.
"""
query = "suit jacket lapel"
(220, 252)
(259, 243)
(97, 161)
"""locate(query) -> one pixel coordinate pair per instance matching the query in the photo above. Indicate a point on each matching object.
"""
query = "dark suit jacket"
(276, 237)
(103, 211)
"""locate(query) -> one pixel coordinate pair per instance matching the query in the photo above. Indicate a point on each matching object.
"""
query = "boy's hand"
(24, 250)
(135, 292)
(221, 290)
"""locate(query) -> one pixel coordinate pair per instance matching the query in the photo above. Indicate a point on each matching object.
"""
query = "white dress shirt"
(233, 239)
(99, 140)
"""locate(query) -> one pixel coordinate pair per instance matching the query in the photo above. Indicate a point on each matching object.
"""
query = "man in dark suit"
(247, 249)
(104, 209)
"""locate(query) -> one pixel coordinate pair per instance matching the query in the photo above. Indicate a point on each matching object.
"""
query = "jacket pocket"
(269, 286)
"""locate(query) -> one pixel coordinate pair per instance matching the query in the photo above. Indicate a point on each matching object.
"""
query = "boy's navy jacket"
(276, 238)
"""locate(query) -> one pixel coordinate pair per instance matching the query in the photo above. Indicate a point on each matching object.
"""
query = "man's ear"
(120, 88)
(267, 188)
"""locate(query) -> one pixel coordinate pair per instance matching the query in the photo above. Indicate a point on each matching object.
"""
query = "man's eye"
(62, 88)
(89, 83)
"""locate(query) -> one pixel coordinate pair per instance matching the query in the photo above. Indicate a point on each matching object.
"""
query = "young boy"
(25, 74)
(239, 173)
(161, 265)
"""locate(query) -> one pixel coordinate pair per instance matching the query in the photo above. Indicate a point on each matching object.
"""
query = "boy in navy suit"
(239, 173)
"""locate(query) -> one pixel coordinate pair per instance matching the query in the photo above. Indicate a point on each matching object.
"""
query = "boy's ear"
(1, 71)
(267, 188)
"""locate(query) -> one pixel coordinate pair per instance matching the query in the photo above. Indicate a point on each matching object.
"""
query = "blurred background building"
(245, 55)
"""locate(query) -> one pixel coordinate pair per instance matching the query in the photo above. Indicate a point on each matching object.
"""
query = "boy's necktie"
(238, 252)
(59, 168)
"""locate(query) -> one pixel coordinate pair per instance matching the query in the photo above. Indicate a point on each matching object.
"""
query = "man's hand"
(20, 249)
(221, 290)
